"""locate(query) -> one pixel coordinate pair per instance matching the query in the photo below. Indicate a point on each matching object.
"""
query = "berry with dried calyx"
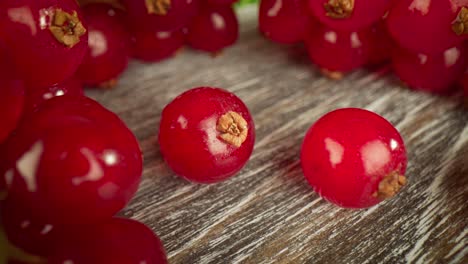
(354, 158)
(428, 27)
(58, 34)
(163, 15)
(206, 135)
(349, 15)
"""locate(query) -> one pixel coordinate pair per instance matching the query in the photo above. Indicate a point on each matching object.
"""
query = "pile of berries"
(424, 40)
(68, 165)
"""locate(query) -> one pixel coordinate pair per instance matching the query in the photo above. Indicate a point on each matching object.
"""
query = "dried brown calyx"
(460, 25)
(334, 75)
(67, 28)
(390, 185)
(158, 7)
(233, 128)
(108, 84)
(339, 8)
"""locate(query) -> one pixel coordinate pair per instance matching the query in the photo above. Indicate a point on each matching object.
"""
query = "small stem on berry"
(460, 25)
(334, 75)
(158, 7)
(390, 185)
(339, 9)
(67, 28)
(109, 84)
(233, 128)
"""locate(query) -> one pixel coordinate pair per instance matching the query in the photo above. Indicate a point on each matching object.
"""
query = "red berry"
(214, 28)
(164, 15)
(46, 38)
(465, 83)
(108, 46)
(37, 95)
(433, 73)
(381, 44)
(349, 15)
(122, 241)
(427, 26)
(283, 21)
(354, 158)
(212, 125)
(11, 100)
(71, 162)
(338, 51)
(157, 45)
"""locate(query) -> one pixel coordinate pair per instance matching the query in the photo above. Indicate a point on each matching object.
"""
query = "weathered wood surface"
(268, 213)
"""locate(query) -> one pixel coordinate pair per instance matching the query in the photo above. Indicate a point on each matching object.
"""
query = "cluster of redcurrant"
(424, 40)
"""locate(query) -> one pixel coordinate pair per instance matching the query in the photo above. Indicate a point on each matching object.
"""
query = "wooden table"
(268, 213)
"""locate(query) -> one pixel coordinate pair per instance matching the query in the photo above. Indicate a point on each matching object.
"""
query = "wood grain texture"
(268, 213)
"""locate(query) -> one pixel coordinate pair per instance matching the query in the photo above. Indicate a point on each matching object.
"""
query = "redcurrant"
(381, 44)
(71, 162)
(108, 47)
(215, 27)
(283, 21)
(354, 158)
(164, 15)
(206, 135)
(338, 51)
(157, 45)
(47, 39)
(428, 27)
(349, 15)
(436, 73)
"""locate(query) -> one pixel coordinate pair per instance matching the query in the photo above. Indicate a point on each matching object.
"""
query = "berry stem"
(67, 28)
(390, 185)
(460, 25)
(233, 128)
(158, 7)
(339, 9)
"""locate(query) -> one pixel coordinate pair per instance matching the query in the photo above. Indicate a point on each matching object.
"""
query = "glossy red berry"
(354, 158)
(119, 240)
(221, 2)
(164, 15)
(151, 46)
(338, 51)
(71, 162)
(214, 28)
(283, 21)
(35, 96)
(212, 125)
(465, 83)
(47, 39)
(349, 15)
(108, 46)
(427, 26)
(432, 73)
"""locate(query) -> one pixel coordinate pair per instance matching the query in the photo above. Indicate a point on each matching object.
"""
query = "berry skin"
(50, 33)
(354, 158)
(426, 26)
(122, 241)
(71, 162)
(163, 15)
(338, 51)
(37, 95)
(214, 28)
(212, 125)
(221, 2)
(432, 73)
(349, 15)
(283, 21)
(465, 83)
(381, 44)
(108, 47)
(152, 46)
